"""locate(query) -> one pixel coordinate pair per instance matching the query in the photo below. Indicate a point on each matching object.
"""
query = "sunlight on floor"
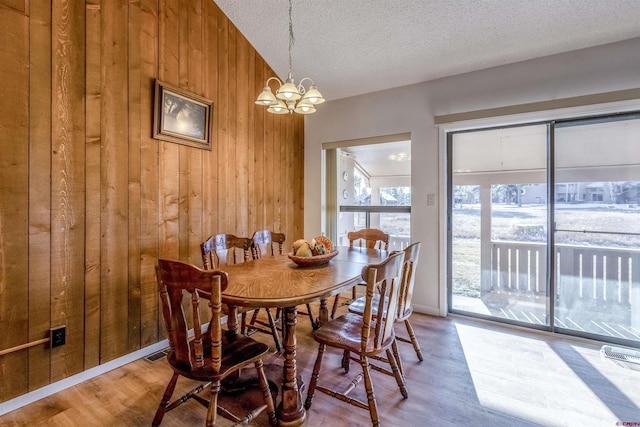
(553, 390)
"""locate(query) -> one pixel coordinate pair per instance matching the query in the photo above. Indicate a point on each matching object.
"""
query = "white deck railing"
(600, 275)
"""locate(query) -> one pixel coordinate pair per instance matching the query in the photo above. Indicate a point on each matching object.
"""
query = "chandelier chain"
(290, 98)
(291, 37)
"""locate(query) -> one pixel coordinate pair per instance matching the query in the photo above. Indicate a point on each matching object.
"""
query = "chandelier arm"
(273, 78)
(301, 88)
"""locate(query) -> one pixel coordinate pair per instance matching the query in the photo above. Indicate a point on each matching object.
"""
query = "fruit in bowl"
(316, 251)
(314, 247)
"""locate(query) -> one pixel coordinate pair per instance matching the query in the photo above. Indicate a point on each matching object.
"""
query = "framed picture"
(181, 116)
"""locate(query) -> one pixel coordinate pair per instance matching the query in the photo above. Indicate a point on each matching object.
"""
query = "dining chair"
(268, 243)
(366, 336)
(207, 357)
(371, 238)
(264, 243)
(226, 249)
(405, 309)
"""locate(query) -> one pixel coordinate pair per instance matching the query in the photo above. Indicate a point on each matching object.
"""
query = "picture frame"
(181, 116)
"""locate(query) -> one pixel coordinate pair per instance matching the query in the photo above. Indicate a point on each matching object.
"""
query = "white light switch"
(431, 199)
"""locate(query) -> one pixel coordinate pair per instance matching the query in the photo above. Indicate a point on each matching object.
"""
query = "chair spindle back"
(221, 249)
(372, 238)
(384, 278)
(174, 278)
(411, 255)
(263, 243)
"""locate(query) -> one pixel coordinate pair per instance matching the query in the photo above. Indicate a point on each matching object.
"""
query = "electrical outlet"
(58, 336)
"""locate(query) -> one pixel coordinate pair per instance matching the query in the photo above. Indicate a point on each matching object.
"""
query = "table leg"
(290, 410)
(323, 317)
(232, 320)
(232, 382)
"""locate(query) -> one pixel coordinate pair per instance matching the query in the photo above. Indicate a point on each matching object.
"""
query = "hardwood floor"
(473, 373)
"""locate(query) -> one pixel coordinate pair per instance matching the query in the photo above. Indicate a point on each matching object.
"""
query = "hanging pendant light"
(289, 97)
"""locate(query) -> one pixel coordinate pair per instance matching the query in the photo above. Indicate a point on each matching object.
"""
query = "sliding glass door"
(544, 226)
(499, 223)
(597, 232)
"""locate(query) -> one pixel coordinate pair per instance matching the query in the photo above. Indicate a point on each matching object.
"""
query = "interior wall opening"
(368, 185)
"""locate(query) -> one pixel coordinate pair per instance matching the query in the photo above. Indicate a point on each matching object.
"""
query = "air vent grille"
(622, 356)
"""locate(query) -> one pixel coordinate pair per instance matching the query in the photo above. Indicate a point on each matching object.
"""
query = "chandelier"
(290, 97)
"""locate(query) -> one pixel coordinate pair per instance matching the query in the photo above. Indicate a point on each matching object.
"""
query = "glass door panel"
(499, 213)
(597, 227)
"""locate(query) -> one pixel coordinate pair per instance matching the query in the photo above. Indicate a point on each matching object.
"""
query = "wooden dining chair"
(371, 238)
(366, 336)
(208, 357)
(266, 243)
(227, 249)
(405, 309)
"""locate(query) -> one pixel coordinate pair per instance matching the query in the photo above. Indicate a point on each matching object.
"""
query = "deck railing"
(599, 275)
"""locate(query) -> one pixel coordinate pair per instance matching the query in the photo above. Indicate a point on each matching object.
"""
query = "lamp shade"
(266, 97)
(304, 107)
(278, 108)
(288, 92)
(313, 95)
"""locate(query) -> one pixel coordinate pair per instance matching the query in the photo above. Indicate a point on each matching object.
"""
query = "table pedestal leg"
(323, 317)
(232, 320)
(290, 410)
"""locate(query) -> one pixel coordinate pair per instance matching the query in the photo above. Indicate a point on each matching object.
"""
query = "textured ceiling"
(351, 47)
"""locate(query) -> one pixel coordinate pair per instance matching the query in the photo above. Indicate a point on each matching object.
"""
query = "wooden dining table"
(278, 282)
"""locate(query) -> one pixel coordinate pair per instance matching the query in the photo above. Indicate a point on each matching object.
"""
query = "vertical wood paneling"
(135, 128)
(92, 186)
(115, 183)
(297, 181)
(68, 181)
(169, 185)
(210, 81)
(232, 151)
(92, 199)
(39, 189)
(242, 130)
(67, 190)
(182, 38)
(268, 156)
(18, 5)
(286, 155)
(195, 184)
(225, 201)
(280, 172)
(149, 179)
(258, 208)
(14, 201)
(254, 88)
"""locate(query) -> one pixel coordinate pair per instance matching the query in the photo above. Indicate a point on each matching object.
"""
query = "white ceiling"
(351, 47)
(389, 159)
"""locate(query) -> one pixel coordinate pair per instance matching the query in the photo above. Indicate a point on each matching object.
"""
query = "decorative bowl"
(311, 261)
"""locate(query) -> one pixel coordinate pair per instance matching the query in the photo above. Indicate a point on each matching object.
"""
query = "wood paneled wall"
(89, 201)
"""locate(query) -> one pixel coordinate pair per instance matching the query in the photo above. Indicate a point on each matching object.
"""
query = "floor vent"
(157, 355)
(622, 356)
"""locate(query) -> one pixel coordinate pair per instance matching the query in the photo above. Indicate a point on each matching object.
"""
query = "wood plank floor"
(474, 373)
